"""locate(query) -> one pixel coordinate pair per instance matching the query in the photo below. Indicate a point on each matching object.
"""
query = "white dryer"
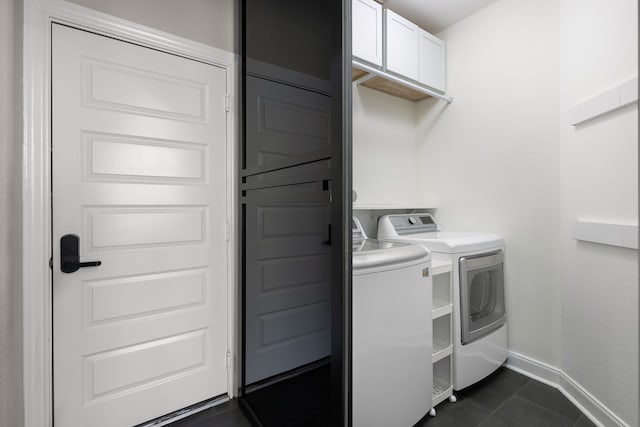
(391, 332)
(479, 317)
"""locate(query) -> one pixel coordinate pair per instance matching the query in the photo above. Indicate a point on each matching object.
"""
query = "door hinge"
(51, 263)
(229, 360)
(226, 103)
(228, 232)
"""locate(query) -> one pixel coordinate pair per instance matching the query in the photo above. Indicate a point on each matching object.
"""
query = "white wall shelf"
(623, 235)
(612, 99)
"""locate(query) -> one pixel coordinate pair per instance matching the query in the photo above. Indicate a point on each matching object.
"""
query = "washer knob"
(412, 220)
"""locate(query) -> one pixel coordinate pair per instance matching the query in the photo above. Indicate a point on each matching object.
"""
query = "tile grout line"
(499, 406)
(585, 417)
(471, 402)
(551, 410)
(506, 400)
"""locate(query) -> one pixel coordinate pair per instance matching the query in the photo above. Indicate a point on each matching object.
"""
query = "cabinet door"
(366, 31)
(432, 61)
(403, 42)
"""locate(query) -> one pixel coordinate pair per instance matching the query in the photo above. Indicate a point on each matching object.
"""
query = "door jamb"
(36, 182)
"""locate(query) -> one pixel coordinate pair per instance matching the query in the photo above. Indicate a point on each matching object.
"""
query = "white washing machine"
(391, 332)
(479, 318)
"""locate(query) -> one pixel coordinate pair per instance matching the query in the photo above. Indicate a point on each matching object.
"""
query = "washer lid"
(455, 242)
(373, 253)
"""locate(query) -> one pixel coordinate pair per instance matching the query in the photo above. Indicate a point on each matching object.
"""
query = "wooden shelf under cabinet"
(383, 85)
(357, 73)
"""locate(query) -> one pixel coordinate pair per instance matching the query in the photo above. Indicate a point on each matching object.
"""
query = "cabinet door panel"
(432, 61)
(403, 42)
(366, 31)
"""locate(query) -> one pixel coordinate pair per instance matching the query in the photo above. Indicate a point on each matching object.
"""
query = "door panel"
(139, 174)
(107, 85)
(283, 122)
(117, 158)
(287, 296)
(125, 297)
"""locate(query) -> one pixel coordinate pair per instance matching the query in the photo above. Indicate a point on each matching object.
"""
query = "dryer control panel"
(404, 224)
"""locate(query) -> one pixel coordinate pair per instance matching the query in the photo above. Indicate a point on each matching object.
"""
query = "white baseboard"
(597, 412)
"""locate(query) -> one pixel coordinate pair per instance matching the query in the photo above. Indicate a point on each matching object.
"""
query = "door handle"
(70, 257)
(328, 241)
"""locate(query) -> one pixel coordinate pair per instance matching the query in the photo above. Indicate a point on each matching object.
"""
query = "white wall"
(599, 163)
(10, 214)
(491, 158)
(503, 158)
(205, 21)
(384, 138)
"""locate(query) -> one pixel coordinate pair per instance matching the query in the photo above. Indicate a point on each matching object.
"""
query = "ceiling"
(435, 15)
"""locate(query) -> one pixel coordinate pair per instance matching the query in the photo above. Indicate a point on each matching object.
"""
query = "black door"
(294, 180)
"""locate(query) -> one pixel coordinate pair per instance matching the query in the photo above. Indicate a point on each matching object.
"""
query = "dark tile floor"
(300, 401)
(508, 399)
(227, 414)
(505, 399)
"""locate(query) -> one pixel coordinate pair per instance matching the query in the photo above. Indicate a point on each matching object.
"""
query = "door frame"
(39, 15)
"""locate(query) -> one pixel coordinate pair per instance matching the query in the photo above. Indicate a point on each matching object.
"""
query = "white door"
(139, 175)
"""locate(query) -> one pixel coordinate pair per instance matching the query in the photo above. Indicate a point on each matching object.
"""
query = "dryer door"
(481, 295)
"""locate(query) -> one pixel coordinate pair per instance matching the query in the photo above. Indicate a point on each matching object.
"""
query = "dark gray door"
(287, 215)
(288, 271)
(294, 175)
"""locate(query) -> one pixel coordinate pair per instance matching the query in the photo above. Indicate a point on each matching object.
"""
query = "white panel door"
(432, 61)
(366, 30)
(139, 175)
(402, 45)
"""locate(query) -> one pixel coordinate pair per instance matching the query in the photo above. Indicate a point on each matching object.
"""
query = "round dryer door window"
(481, 295)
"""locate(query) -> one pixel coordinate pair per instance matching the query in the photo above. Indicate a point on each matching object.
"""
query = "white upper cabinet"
(402, 46)
(432, 61)
(367, 31)
(401, 58)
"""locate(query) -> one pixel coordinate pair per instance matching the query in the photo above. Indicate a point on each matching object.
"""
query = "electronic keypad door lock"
(69, 255)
